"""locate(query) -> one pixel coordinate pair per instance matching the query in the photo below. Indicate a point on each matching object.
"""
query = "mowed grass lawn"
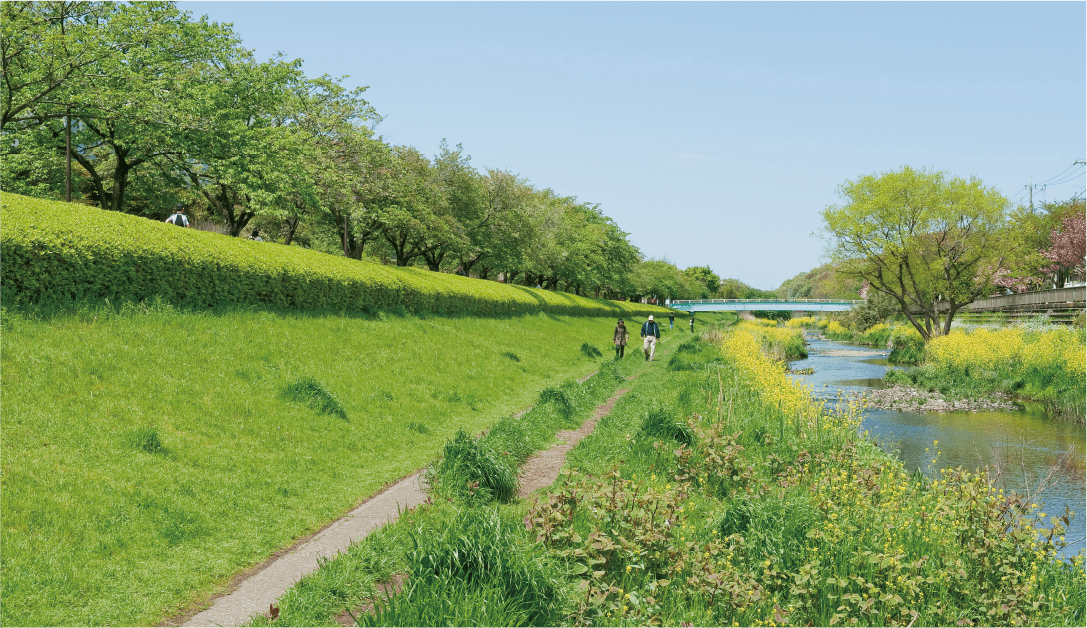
(149, 454)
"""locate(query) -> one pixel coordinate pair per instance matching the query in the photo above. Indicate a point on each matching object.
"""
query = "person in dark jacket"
(651, 332)
(620, 338)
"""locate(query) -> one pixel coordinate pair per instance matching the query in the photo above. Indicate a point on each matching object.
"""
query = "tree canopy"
(932, 242)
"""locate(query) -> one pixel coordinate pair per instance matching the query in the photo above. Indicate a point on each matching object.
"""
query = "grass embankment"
(59, 253)
(715, 493)
(151, 453)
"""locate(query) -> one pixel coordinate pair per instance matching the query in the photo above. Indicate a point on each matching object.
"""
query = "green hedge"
(53, 252)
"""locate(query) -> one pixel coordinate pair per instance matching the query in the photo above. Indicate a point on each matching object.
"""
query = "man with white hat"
(650, 333)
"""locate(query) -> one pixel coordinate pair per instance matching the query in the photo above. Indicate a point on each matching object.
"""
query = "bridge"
(765, 305)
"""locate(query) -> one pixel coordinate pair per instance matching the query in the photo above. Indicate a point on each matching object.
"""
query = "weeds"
(470, 469)
(147, 439)
(313, 393)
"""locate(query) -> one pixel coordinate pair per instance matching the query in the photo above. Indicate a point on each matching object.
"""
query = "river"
(1025, 444)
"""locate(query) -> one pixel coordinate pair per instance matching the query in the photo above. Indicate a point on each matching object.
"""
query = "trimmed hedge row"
(54, 252)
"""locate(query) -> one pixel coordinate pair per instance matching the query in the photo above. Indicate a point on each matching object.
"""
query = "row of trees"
(933, 243)
(157, 109)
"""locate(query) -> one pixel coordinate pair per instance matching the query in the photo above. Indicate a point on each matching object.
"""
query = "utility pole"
(68, 155)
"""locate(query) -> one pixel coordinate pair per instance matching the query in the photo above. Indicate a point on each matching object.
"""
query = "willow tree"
(930, 241)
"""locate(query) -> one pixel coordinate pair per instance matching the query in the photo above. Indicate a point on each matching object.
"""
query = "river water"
(1025, 445)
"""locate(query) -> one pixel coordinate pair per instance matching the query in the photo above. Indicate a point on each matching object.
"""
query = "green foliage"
(563, 399)
(906, 347)
(921, 236)
(590, 351)
(472, 567)
(876, 309)
(147, 439)
(53, 256)
(471, 470)
(313, 393)
(661, 423)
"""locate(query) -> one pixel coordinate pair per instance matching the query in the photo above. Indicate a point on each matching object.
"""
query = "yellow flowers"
(1054, 350)
(744, 347)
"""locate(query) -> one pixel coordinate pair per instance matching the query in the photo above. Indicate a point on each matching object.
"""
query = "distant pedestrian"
(692, 323)
(620, 338)
(255, 236)
(671, 320)
(178, 218)
(651, 332)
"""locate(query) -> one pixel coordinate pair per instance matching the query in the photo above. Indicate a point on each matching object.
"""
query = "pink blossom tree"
(1067, 250)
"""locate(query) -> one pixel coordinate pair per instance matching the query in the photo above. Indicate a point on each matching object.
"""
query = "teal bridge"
(765, 305)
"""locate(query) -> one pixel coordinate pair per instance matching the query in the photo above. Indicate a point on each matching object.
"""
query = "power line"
(1074, 163)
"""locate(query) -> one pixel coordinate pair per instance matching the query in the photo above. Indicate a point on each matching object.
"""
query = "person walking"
(178, 218)
(692, 323)
(620, 339)
(651, 332)
(671, 320)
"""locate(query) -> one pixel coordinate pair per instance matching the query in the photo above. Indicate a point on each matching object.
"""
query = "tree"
(706, 279)
(1067, 249)
(932, 242)
(243, 159)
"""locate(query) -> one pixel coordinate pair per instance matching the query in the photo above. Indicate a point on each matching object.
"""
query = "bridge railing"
(1069, 296)
(1059, 297)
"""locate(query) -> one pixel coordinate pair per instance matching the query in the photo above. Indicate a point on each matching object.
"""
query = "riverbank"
(911, 399)
(714, 493)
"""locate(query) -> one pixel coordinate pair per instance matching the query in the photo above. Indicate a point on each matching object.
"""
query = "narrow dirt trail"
(256, 590)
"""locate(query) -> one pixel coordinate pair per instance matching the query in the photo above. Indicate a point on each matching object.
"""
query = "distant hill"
(820, 283)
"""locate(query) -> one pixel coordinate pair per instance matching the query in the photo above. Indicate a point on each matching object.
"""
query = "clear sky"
(714, 133)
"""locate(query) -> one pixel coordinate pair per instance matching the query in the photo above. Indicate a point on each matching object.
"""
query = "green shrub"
(590, 351)
(313, 393)
(907, 346)
(560, 398)
(51, 259)
(471, 470)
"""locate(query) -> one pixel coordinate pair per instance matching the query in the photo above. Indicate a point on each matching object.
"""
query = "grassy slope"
(98, 531)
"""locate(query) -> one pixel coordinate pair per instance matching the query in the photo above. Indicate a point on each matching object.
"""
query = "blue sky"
(714, 133)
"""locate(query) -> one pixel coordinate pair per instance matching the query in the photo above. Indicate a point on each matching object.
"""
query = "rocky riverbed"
(909, 399)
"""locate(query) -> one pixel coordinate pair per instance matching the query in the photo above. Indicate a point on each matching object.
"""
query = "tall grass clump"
(310, 391)
(471, 470)
(472, 567)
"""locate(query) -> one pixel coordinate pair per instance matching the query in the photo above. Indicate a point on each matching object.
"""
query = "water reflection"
(1022, 447)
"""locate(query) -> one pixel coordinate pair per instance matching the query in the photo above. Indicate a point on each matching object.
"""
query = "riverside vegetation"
(715, 493)
(1032, 361)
